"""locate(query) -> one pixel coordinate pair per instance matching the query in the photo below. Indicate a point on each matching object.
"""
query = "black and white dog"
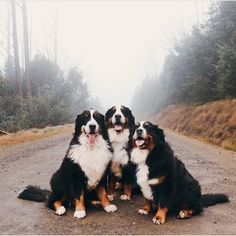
(84, 169)
(120, 122)
(164, 179)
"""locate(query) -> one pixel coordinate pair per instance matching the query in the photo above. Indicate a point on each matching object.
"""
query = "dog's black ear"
(107, 115)
(78, 124)
(104, 127)
(160, 133)
(131, 117)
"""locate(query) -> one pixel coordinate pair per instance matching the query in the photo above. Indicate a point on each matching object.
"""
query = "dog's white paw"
(125, 197)
(79, 214)
(142, 212)
(110, 208)
(158, 221)
(182, 215)
(185, 214)
(60, 211)
(110, 197)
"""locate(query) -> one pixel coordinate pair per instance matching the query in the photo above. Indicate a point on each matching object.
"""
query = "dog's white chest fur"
(139, 156)
(93, 160)
(118, 142)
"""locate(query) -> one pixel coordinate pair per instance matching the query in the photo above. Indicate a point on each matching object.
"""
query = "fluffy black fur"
(179, 190)
(70, 180)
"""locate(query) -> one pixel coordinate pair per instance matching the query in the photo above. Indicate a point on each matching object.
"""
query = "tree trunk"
(8, 31)
(55, 36)
(16, 49)
(26, 49)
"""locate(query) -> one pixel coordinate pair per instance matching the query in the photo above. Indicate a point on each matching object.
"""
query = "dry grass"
(34, 134)
(214, 122)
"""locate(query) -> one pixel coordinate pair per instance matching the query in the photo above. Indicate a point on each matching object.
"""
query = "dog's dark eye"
(86, 115)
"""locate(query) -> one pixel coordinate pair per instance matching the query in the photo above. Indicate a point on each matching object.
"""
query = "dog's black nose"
(139, 131)
(118, 117)
(92, 128)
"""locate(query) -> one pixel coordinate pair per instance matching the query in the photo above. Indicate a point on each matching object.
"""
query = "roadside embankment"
(34, 134)
(214, 122)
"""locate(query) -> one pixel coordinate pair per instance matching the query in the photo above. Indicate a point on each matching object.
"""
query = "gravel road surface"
(34, 163)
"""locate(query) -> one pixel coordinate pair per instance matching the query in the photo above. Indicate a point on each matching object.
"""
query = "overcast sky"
(116, 44)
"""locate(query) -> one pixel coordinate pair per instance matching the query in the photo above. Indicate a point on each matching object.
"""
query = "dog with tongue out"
(120, 122)
(82, 176)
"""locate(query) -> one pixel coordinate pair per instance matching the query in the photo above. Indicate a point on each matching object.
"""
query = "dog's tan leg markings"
(160, 217)
(183, 214)
(59, 209)
(156, 181)
(127, 192)
(146, 208)
(79, 207)
(108, 207)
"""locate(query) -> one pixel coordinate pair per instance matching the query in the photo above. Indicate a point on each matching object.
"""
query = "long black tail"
(34, 193)
(212, 199)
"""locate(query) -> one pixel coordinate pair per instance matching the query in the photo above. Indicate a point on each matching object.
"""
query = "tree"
(26, 48)
(200, 68)
(226, 68)
(16, 49)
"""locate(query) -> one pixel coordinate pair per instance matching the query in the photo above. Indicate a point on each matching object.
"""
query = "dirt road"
(34, 163)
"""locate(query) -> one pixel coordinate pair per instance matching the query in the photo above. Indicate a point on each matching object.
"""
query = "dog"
(163, 178)
(120, 121)
(84, 169)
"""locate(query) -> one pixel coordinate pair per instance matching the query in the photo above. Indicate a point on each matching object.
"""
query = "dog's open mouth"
(92, 138)
(118, 127)
(140, 142)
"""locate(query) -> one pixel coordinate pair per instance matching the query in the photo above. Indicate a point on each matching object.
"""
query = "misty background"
(142, 54)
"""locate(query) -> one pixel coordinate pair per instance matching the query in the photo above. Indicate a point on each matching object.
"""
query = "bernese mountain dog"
(163, 178)
(120, 121)
(83, 172)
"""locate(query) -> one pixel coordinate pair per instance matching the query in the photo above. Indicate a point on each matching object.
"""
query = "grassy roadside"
(213, 122)
(34, 134)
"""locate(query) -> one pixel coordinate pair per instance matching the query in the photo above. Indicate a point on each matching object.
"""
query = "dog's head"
(147, 136)
(90, 123)
(119, 118)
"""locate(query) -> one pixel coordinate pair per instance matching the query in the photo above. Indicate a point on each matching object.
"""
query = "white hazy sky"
(116, 44)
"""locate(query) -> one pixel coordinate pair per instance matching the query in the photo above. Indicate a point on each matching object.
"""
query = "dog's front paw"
(125, 197)
(79, 214)
(142, 212)
(158, 220)
(110, 208)
(184, 214)
(61, 210)
(110, 197)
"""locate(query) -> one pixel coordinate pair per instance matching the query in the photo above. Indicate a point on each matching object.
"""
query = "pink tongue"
(118, 127)
(91, 139)
(139, 142)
